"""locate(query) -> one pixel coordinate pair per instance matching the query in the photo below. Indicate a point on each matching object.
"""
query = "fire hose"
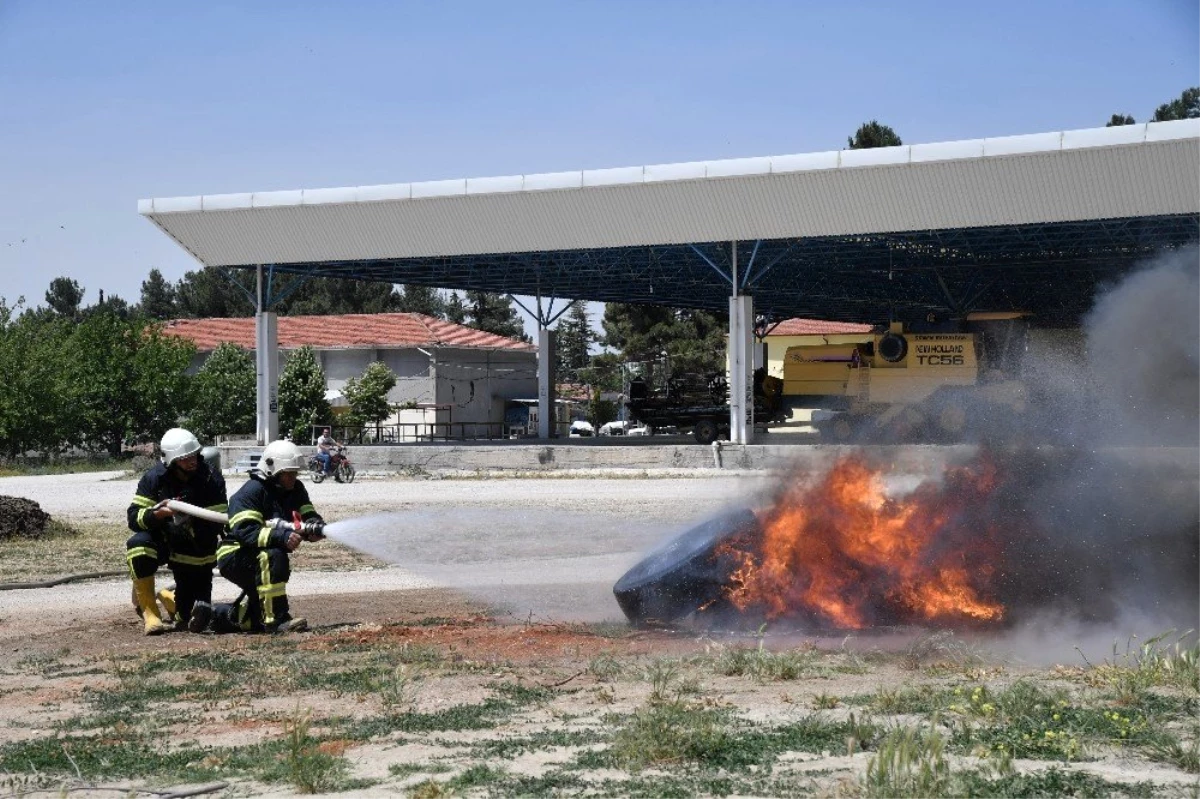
(309, 531)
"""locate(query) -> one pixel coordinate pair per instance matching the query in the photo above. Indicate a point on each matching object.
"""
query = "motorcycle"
(339, 466)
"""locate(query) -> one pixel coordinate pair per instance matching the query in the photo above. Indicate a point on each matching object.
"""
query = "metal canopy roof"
(1030, 223)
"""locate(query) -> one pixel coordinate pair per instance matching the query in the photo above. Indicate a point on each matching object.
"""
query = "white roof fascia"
(999, 146)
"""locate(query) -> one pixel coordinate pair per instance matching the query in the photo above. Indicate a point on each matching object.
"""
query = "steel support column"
(741, 360)
(546, 398)
(266, 357)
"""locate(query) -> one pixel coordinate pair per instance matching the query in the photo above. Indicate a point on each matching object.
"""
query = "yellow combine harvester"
(905, 385)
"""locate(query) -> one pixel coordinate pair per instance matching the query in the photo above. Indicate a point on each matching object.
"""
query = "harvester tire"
(689, 574)
(705, 431)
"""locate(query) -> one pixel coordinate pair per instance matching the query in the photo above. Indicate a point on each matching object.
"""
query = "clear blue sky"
(105, 102)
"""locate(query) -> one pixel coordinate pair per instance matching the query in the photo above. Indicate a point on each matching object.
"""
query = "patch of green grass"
(408, 769)
(912, 699)
(1156, 662)
(522, 694)
(310, 770)
(32, 467)
(605, 668)
(767, 666)
(1170, 749)
(123, 755)
(507, 748)
(477, 776)
(1051, 782)
(1024, 720)
(480, 716)
(910, 763)
(677, 731)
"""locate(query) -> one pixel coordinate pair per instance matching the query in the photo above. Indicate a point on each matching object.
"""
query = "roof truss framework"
(1051, 270)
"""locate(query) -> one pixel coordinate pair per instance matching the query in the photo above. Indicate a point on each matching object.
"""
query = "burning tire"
(688, 575)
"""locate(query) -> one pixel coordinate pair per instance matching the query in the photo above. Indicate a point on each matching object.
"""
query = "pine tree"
(872, 134)
(495, 314)
(456, 311)
(574, 338)
(421, 299)
(158, 297)
(1187, 106)
(64, 297)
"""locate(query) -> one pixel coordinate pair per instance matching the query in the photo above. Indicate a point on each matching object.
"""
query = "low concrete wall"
(524, 457)
(1179, 463)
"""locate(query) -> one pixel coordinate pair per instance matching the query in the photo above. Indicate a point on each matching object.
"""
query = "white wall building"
(461, 379)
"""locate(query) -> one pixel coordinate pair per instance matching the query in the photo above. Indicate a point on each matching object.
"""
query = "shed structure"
(1031, 223)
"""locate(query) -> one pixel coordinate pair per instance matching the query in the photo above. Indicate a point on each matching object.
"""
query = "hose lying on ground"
(70, 578)
(174, 504)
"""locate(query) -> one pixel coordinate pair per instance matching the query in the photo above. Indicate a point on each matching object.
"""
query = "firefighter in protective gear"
(188, 546)
(269, 517)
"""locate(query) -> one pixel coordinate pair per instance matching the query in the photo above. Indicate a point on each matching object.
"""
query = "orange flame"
(843, 553)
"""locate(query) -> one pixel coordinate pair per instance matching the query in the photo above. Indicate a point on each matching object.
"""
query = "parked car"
(614, 428)
(581, 429)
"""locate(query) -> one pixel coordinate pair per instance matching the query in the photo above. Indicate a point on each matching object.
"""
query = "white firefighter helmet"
(281, 456)
(177, 443)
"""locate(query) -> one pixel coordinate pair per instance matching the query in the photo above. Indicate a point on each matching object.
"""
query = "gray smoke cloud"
(1144, 349)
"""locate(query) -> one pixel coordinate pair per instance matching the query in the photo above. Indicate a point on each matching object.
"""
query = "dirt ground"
(428, 692)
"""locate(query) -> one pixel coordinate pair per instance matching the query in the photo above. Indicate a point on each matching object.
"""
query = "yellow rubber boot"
(143, 588)
(167, 598)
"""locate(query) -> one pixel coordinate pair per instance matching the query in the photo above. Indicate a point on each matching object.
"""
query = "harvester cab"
(927, 382)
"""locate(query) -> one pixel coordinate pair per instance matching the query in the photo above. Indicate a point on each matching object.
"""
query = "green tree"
(328, 296)
(224, 394)
(689, 340)
(207, 293)
(456, 310)
(64, 297)
(601, 411)
(112, 304)
(495, 314)
(574, 338)
(302, 402)
(125, 380)
(872, 134)
(1187, 106)
(422, 299)
(33, 397)
(1120, 119)
(158, 297)
(604, 371)
(367, 395)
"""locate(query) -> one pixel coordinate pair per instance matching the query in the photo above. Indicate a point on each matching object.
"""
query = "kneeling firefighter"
(160, 535)
(268, 518)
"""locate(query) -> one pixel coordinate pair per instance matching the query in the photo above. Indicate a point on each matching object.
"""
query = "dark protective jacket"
(205, 487)
(257, 502)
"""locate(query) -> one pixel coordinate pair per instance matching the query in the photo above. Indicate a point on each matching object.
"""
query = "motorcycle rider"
(325, 445)
(269, 517)
(160, 535)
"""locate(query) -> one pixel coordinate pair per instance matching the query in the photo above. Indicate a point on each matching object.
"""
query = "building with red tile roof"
(348, 331)
(462, 378)
(794, 332)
